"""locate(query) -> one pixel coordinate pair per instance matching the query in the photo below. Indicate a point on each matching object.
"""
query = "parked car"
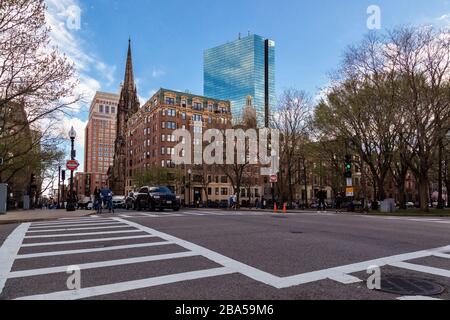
(160, 198)
(90, 206)
(410, 205)
(83, 204)
(118, 202)
(130, 201)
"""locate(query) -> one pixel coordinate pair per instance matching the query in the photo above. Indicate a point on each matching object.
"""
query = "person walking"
(321, 195)
(338, 203)
(235, 204)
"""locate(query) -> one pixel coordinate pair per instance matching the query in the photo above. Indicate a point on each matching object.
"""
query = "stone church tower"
(128, 105)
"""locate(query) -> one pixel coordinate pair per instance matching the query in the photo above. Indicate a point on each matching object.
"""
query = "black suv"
(152, 198)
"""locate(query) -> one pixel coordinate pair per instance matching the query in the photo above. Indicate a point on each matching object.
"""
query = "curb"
(31, 220)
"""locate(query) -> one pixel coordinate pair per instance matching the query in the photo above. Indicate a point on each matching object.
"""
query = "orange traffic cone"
(275, 209)
(284, 208)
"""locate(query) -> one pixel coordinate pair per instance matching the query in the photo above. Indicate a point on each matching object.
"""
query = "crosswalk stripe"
(8, 252)
(418, 298)
(81, 234)
(59, 222)
(423, 269)
(74, 225)
(27, 245)
(102, 264)
(129, 285)
(81, 251)
(79, 229)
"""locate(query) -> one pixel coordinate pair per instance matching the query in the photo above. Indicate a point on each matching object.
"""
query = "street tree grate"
(410, 286)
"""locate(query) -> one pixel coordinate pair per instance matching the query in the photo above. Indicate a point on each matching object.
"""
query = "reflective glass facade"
(245, 67)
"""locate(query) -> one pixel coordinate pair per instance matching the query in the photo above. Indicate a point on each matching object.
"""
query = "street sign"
(274, 178)
(349, 182)
(72, 165)
(350, 192)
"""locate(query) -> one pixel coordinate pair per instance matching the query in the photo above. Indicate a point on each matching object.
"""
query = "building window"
(224, 191)
(113, 109)
(197, 117)
(217, 191)
(183, 103)
(100, 108)
(163, 137)
(209, 191)
(198, 106)
(171, 113)
(163, 151)
(224, 179)
(183, 116)
(106, 109)
(170, 101)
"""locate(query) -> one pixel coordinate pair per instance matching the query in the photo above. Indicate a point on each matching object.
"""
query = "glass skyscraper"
(242, 68)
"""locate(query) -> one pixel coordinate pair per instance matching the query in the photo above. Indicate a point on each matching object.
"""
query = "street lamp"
(189, 187)
(71, 202)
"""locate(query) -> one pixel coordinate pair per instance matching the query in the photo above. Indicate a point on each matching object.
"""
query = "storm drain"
(410, 286)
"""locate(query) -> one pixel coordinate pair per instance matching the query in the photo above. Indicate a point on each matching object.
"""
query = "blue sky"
(169, 36)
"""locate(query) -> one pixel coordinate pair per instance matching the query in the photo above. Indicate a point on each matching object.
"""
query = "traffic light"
(348, 166)
(63, 175)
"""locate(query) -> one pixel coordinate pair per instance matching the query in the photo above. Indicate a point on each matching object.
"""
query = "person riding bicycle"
(107, 195)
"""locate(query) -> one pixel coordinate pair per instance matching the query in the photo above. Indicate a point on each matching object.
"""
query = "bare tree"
(36, 81)
(292, 119)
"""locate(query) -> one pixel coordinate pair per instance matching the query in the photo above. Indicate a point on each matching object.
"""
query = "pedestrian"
(321, 195)
(235, 204)
(338, 203)
(264, 203)
(257, 203)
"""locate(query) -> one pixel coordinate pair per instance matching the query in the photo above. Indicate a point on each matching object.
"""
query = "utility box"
(388, 206)
(3, 198)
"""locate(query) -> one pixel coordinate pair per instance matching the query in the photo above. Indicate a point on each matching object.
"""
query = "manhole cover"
(410, 286)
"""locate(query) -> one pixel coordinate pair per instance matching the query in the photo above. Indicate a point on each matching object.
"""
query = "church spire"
(129, 77)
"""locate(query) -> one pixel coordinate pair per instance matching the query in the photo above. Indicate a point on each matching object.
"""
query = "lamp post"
(72, 136)
(189, 187)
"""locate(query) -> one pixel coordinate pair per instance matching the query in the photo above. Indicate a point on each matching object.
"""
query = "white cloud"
(66, 39)
(157, 72)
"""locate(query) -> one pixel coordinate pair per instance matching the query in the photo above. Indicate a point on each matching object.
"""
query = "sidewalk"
(22, 216)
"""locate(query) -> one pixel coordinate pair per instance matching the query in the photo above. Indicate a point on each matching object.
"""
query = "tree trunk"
(440, 179)
(306, 183)
(423, 193)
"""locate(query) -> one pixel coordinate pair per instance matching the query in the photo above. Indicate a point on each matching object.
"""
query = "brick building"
(150, 143)
(100, 136)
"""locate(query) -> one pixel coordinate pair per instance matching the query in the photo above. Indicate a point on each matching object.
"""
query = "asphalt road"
(201, 254)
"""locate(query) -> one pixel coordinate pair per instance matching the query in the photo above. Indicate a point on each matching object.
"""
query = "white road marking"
(102, 264)
(74, 225)
(79, 229)
(229, 263)
(340, 274)
(344, 278)
(442, 255)
(83, 241)
(81, 234)
(130, 285)
(81, 251)
(423, 269)
(59, 222)
(418, 298)
(9, 250)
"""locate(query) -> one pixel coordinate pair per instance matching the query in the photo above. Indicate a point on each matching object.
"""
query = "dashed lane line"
(130, 285)
(102, 264)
